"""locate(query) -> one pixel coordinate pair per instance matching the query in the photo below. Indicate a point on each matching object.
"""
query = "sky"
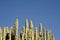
(46, 12)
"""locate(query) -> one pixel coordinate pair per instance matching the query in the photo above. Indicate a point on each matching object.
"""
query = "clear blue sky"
(45, 11)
